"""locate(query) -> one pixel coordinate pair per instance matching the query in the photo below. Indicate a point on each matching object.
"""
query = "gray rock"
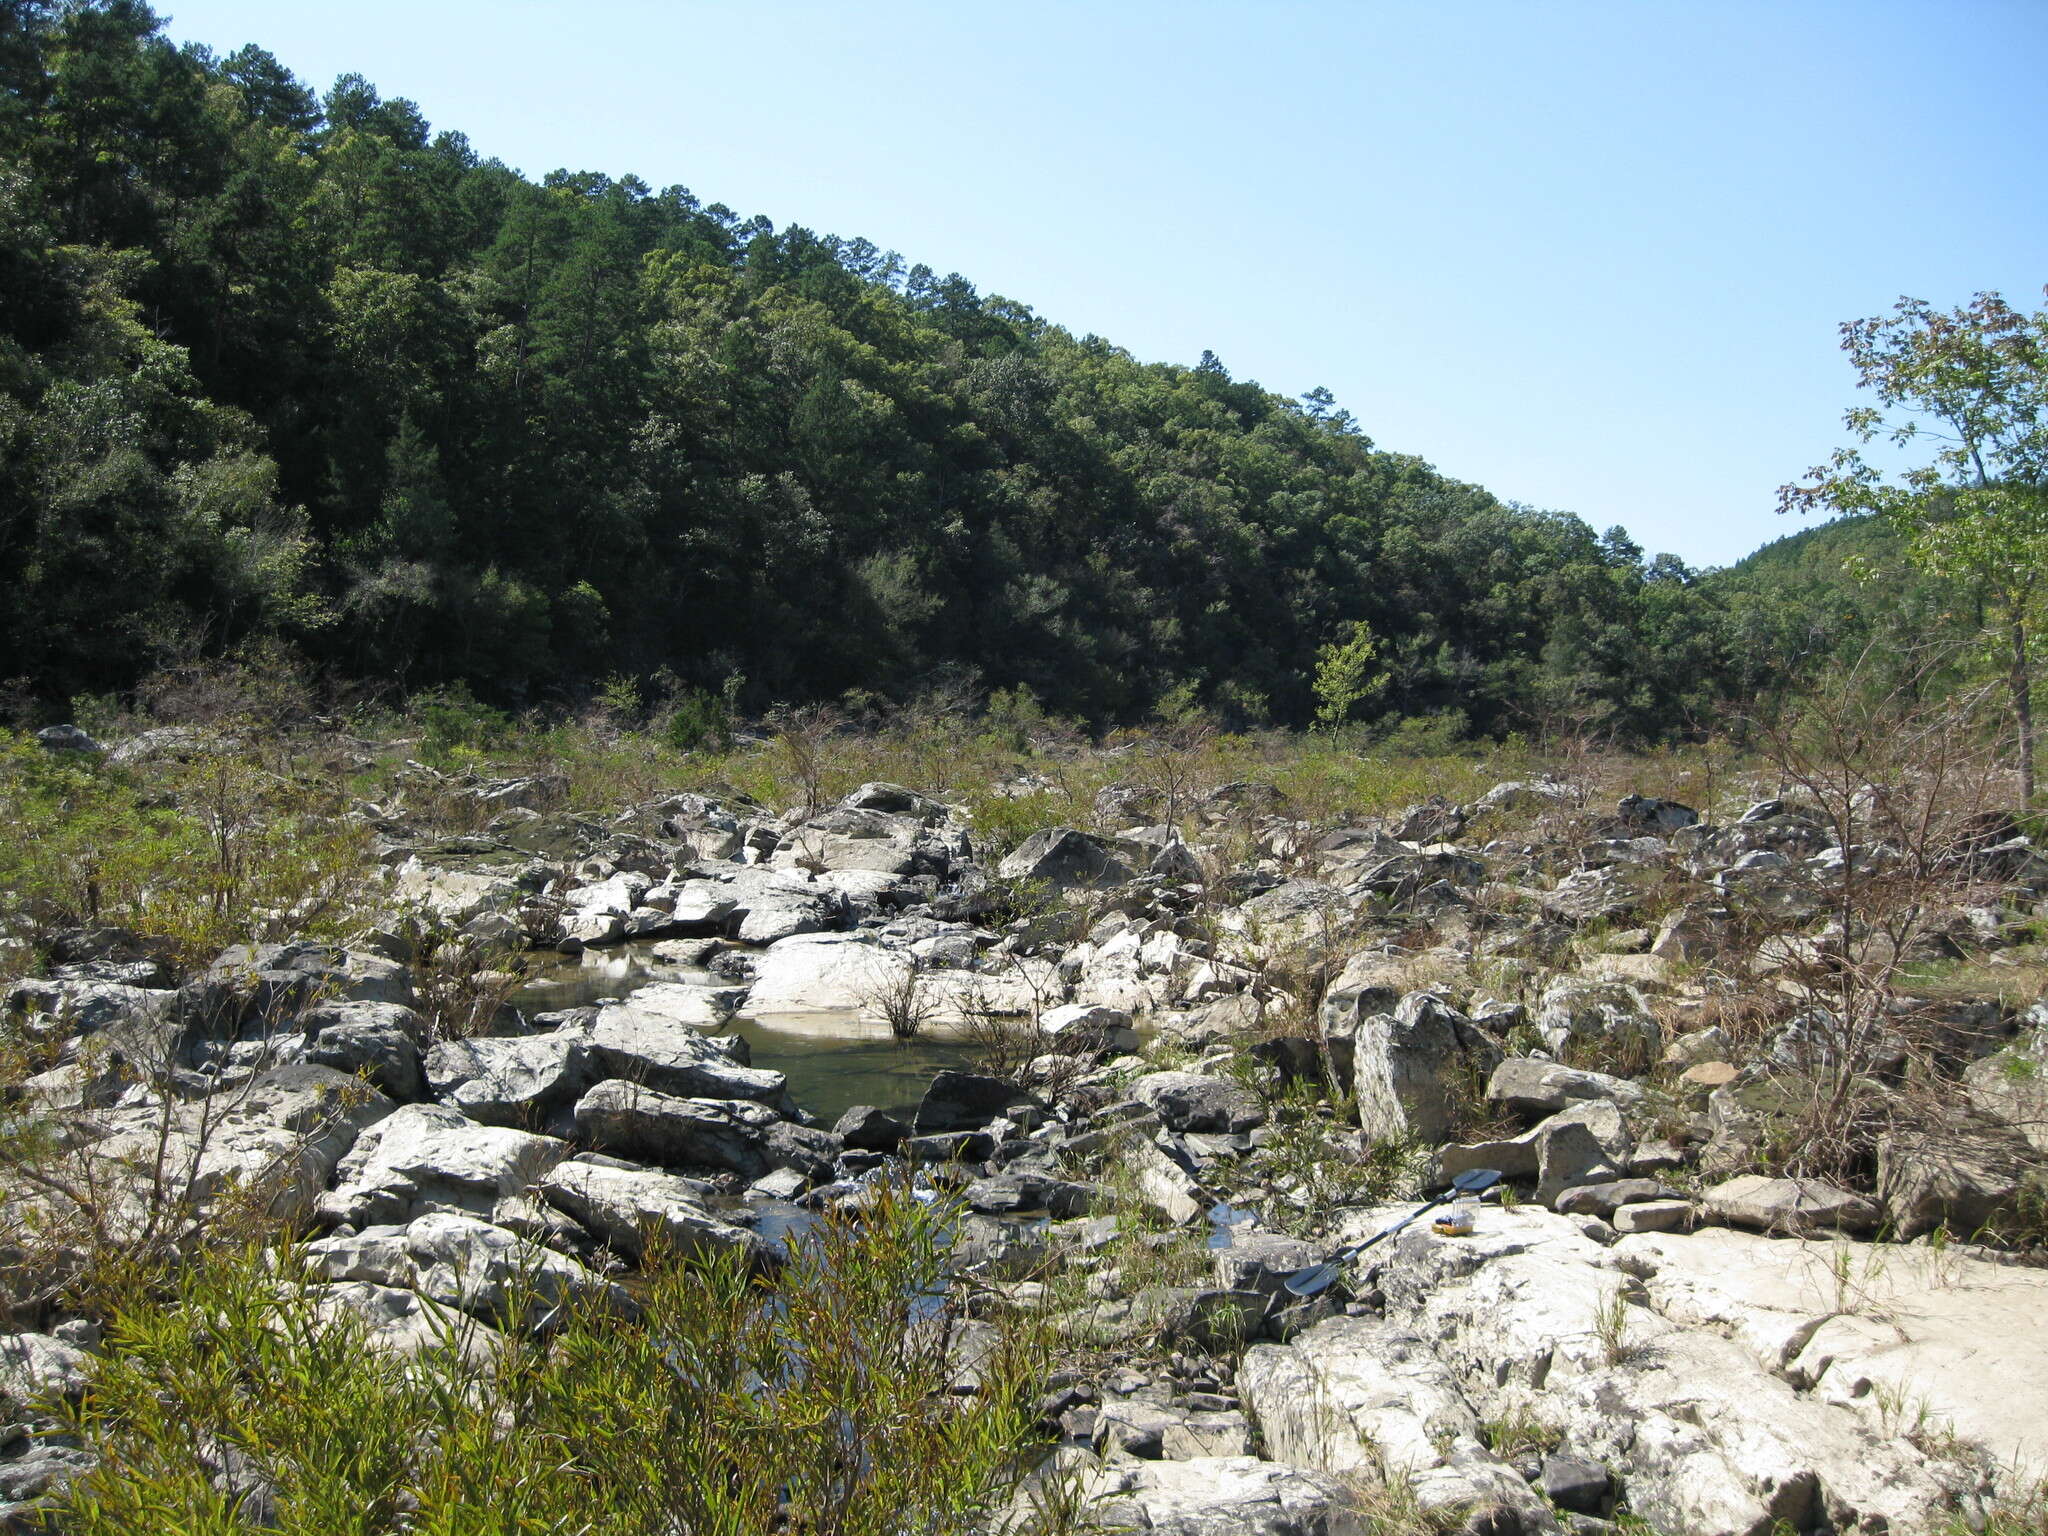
(1528, 1086)
(1260, 1261)
(631, 1209)
(2011, 1086)
(430, 1157)
(274, 1142)
(864, 1128)
(1573, 1483)
(1084, 1028)
(67, 738)
(1218, 1496)
(380, 1041)
(36, 1368)
(526, 1081)
(1974, 1179)
(400, 1322)
(1655, 815)
(1603, 1200)
(1607, 1017)
(1790, 1205)
(1654, 1216)
(627, 1118)
(895, 800)
(1403, 1063)
(1189, 1101)
(498, 1276)
(962, 1101)
(768, 906)
(1569, 1156)
(629, 1043)
(1065, 859)
(53, 1008)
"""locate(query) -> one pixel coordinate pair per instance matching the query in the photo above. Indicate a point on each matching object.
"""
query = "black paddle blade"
(1313, 1282)
(1320, 1277)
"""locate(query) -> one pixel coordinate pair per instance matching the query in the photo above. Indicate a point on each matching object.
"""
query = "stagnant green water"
(832, 1061)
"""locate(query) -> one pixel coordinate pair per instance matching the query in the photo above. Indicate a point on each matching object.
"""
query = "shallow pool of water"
(833, 1061)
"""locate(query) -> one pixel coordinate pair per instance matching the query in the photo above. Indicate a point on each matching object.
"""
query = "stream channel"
(832, 1060)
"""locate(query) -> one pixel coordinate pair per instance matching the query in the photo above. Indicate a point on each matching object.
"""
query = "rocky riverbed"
(1687, 1311)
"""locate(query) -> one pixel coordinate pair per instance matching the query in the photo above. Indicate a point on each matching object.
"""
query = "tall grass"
(198, 854)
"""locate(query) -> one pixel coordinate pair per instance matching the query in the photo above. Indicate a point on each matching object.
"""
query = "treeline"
(294, 368)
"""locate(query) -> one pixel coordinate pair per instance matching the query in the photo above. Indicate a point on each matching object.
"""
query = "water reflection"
(833, 1061)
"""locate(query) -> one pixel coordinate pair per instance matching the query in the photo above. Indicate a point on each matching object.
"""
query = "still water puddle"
(832, 1060)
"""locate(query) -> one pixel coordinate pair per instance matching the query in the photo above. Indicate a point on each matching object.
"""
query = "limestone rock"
(633, 1121)
(1064, 859)
(825, 973)
(1527, 1086)
(631, 1208)
(429, 1156)
(1189, 1101)
(1790, 1205)
(1401, 1063)
(1606, 1017)
(381, 1041)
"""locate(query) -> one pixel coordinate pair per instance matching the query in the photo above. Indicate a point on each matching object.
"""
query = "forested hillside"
(275, 364)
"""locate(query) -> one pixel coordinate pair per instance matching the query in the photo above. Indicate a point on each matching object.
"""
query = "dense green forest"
(297, 369)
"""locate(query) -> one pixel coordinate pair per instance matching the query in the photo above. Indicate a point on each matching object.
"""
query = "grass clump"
(198, 853)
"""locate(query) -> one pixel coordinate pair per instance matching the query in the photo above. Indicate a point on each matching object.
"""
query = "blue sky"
(1591, 256)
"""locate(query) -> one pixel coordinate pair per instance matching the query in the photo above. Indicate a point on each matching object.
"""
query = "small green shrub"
(455, 726)
(826, 1399)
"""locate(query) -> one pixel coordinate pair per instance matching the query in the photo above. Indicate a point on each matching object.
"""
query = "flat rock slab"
(1747, 1384)
(1655, 1216)
(825, 973)
(1791, 1206)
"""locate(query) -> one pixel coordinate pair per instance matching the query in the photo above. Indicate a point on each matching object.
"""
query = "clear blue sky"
(1591, 256)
